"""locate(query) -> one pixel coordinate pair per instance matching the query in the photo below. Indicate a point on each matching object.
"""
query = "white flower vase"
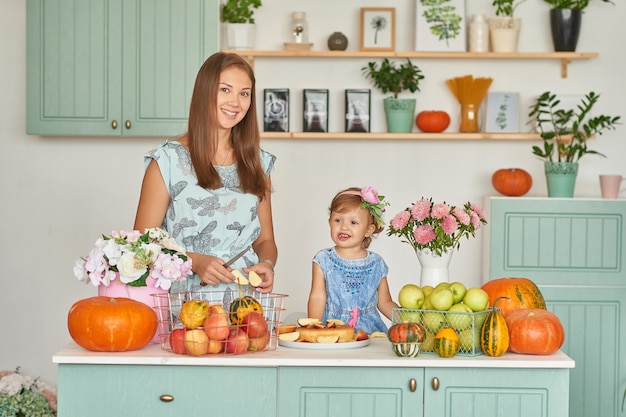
(118, 289)
(434, 267)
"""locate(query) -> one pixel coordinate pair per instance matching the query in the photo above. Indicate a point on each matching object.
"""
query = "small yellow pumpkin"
(447, 342)
(494, 335)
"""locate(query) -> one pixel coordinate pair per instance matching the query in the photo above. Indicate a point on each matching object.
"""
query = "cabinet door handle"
(127, 124)
(114, 124)
(412, 384)
(435, 383)
(166, 398)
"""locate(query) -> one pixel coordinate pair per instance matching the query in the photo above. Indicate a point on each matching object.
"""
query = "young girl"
(349, 281)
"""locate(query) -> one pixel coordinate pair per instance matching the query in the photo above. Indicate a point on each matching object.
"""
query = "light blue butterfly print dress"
(219, 222)
(352, 289)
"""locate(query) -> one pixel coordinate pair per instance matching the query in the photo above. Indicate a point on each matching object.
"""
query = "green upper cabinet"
(115, 67)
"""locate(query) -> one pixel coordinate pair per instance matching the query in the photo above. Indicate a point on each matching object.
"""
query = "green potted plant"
(392, 78)
(238, 17)
(504, 28)
(565, 133)
(565, 21)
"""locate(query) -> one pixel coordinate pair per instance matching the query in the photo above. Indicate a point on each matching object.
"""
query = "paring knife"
(232, 260)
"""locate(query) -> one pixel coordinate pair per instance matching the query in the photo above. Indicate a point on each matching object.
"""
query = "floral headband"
(371, 201)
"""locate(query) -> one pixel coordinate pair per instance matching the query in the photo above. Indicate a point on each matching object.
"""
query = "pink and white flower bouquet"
(436, 226)
(132, 257)
(23, 396)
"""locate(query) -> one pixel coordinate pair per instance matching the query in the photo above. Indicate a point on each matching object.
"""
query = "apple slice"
(289, 337)
(307, 321)
(376, 335)
(335, 322)
(239, 277)
(286, 328)
(254, 279)
(361, 335)
(328, 339)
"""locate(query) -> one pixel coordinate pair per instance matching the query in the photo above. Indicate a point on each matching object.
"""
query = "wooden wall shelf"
(564, 57)
(400, 136)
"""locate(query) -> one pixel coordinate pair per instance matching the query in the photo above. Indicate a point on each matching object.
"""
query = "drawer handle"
(435, 383)
(127, 124)
(166, 398)
(114, 124)
(412, 384)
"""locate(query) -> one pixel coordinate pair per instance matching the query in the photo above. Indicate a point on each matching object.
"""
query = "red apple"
(254, 324)
(177, 341)
(237, 341)
(216, 323)
(259, 343)
(361, 335)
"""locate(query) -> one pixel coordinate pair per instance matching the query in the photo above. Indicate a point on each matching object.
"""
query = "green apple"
(479, 319)
(410, 316)
(427, 304)
(459, 316)
(428, 343)
(427, 290)
(411, 296)
(442, 284)
(469, 340)
(433, 321)
(441, 298)
(458, 290)
(477, 299)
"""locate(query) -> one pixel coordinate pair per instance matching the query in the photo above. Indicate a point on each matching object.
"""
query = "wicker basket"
(466, 325)
(169, 316)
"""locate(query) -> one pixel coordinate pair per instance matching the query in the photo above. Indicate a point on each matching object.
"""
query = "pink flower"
(370, 195)
(449, 224)
(421, 209)
(461, 216)
(479, 210)
(400, 220)
(440, 210)
(475, 219)
(424, 234)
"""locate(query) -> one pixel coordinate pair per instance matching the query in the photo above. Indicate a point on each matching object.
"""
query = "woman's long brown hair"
(203, 129)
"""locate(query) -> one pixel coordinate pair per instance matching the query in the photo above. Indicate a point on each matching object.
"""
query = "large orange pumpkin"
(107, 324)
(521, 293)
(534, 331)
(512, 181)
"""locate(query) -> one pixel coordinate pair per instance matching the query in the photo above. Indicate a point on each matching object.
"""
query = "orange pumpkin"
(534, 331)
(107, 324)
(521, 293)
(512, 181)
(432, 121)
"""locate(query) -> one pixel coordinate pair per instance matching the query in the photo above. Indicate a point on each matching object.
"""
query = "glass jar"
(299, 27)
(479, 34)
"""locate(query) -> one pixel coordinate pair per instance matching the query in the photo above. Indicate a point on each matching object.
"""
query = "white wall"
(59, 194)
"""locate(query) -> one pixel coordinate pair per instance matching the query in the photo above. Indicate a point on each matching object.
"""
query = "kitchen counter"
(377, 354)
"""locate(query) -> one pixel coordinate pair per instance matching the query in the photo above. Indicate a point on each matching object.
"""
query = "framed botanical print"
(358, 110)
(276, 110)
(502, 112)
(315, 111)
(378, 29)
(440, 26)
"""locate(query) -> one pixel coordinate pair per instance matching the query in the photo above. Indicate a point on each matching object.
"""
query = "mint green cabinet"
(165, 391)
(350, 392)
(574, 250)
(115, 67)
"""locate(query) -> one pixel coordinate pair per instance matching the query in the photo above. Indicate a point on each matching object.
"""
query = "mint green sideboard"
(574, 250)
(115, 67)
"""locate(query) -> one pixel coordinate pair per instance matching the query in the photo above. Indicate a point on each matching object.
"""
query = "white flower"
(129, 269)
(13, 383)
(170, 243)
(113, 251)
(79, 270)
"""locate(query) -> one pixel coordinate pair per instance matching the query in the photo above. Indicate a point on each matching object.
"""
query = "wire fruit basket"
(466, 325)
(219, 322)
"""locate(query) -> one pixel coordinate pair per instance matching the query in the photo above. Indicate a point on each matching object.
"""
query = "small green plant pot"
(561, 178)
(400, 114)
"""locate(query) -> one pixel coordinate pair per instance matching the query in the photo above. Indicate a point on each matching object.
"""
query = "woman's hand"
(266, 273)
(210, 269)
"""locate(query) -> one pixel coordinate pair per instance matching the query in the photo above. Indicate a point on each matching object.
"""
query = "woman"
(210, 188)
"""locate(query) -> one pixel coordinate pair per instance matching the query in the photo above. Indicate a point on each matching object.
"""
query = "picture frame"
(358, 109)
(276, 110)
(315, 110)
(502, 113)
(440, 26)
(378, 29)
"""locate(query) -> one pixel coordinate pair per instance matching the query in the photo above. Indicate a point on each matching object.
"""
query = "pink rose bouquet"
(438, 227)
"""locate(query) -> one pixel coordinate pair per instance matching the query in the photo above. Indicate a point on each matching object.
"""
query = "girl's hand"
(210, 269)
(266, 273)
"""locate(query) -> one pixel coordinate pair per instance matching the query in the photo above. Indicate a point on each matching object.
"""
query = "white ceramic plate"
(324, 346)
